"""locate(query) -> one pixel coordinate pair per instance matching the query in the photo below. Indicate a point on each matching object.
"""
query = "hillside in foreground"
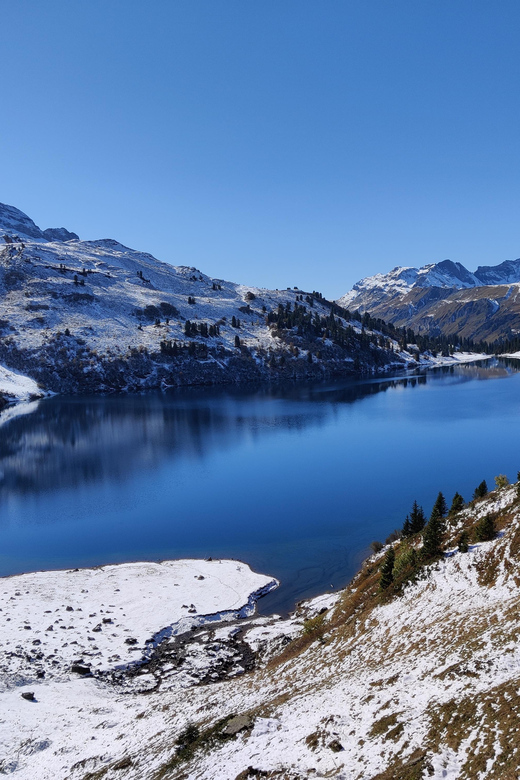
(416, 681)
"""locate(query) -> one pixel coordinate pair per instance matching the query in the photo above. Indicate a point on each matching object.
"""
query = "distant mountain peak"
(15, 224)
(444, 298)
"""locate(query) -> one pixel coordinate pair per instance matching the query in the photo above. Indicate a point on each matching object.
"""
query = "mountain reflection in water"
(296, 480)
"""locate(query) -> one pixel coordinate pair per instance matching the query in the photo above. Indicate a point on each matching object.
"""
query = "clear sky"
(270, 142)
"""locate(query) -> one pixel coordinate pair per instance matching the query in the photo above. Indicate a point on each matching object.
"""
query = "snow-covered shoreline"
(69, 637)
(16, 388)
(458, 358)
(115, 614)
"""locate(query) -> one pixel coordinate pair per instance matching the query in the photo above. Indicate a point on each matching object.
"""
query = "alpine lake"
(294, 480)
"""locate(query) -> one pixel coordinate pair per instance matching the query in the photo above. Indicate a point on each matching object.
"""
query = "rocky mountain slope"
(89, 316)
(445, 298)
(420, 680)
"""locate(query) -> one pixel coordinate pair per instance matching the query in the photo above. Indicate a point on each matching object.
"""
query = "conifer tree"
(485, 530)
(463, 542)
(407, 527)
(439, 507)
(417, 518)
(457, 504)
(481, 490)
(433, 536)
(387, 569)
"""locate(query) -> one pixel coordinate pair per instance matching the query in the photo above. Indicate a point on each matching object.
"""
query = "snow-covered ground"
(17, 387)
(458, 358)
(69, 637)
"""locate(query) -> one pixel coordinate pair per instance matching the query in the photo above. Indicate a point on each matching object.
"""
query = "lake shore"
(76, 642)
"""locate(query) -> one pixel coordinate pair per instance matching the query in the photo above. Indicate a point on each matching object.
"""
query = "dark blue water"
(295, 481)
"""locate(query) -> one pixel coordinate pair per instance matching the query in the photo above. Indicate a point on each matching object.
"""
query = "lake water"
(297, 481)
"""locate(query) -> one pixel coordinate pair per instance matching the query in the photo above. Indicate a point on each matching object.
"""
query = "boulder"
(236, 724)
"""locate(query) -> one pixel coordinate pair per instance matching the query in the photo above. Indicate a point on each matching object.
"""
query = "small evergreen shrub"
(315, 627)
(501, 481)
(463, 542)
(406, 564)
(485, 529)
(387, 570)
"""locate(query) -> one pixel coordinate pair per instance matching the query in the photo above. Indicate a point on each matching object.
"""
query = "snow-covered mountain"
(96, 316)
(400, 280)
(444, 298)
(14, 225)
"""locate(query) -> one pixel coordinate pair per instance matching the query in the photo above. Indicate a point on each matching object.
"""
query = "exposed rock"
(239, 723)
(80, 669)
(59, 234)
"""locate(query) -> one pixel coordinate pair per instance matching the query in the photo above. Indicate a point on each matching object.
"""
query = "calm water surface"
(295, 481)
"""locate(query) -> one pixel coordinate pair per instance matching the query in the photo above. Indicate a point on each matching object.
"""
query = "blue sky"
(276, 142)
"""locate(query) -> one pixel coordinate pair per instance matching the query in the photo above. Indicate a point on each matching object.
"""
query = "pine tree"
(481, 490)
(457, 504)
(387, 569)
(407, 527)
(433, 536)
(485, 530)
(417, 519)
(463, 542)
(440, 506)
(237, 341)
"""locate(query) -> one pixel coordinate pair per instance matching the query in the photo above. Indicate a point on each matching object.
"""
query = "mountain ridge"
(444, 298)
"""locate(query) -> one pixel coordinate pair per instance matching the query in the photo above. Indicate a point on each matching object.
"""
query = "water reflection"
(296, 480)
(65, 442)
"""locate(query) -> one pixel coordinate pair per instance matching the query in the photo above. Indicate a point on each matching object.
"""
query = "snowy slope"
(15, 225)
(17, 387)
